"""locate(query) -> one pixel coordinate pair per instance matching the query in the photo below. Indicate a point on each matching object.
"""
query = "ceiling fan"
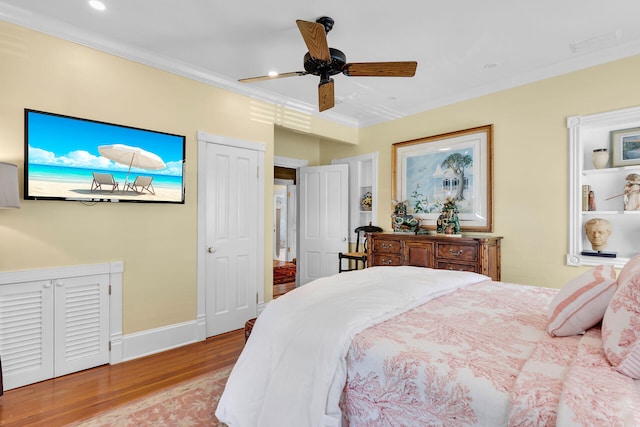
(324, 61)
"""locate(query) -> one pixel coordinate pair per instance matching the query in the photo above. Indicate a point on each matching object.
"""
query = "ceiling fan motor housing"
(326, 22)
(325, 69)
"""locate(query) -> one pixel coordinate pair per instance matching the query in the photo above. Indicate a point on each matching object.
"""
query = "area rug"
(191, 403)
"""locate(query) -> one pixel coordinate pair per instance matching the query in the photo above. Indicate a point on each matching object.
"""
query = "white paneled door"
(231, 228)
(324, 219)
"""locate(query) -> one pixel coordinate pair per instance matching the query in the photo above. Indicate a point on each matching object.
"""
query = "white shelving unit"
(587, 133)
(363, 178)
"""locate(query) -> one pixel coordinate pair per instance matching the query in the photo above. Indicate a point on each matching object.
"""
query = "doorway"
(280, 232)
(284, 230)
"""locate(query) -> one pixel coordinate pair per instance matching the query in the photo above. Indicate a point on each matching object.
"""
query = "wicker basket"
(248, 326)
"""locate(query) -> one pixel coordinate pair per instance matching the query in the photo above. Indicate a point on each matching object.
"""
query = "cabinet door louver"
(26, 333)
(82, 327)
(50, 328)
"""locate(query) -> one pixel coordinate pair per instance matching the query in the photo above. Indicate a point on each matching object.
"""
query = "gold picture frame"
(458, 164)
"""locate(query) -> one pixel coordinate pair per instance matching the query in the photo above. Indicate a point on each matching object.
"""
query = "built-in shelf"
(623, 212)
(609, 171)
(587, 133)
(363, 178)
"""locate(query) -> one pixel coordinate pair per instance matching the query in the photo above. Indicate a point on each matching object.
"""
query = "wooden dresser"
(476, 254)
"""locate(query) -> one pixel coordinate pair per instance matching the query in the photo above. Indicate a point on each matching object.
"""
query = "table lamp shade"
(9, 191)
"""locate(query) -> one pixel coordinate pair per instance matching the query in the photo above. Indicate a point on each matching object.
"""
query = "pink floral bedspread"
(481, 357)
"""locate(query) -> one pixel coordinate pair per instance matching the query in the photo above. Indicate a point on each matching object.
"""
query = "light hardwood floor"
(60, 401)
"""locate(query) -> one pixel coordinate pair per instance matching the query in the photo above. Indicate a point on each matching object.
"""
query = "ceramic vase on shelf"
(600, 158)
(366, 202)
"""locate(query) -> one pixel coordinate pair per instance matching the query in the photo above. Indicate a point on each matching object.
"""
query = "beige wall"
(297, 145)
(158, 242)
(530, 159)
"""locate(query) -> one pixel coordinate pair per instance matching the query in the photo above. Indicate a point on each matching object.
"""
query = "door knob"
(211, 249)
(344, 239)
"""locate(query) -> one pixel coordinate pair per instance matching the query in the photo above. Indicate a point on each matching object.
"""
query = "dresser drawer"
(480, 254)
(386, 246)
(382, 259)
(444, 265)
(457, 251)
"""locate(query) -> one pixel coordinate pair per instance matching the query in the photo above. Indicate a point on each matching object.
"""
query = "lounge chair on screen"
(141, 184)
(100, 179)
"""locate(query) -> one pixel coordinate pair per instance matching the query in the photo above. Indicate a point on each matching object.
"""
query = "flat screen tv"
(70, 158)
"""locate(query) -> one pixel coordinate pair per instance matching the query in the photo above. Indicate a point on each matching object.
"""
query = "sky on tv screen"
(64, 141)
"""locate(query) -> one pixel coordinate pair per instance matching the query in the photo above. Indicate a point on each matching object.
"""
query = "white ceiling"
(464, 48)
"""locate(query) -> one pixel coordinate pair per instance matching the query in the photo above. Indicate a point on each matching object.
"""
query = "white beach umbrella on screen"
(132, 156)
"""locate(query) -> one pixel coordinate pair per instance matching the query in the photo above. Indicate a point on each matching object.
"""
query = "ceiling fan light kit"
(324, 62)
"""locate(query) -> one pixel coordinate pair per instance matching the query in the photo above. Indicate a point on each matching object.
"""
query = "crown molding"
(64, 31)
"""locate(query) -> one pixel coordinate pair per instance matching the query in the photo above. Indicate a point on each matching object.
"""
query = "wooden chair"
(358, 255)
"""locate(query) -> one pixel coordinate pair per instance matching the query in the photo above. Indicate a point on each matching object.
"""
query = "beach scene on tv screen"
(80, 159)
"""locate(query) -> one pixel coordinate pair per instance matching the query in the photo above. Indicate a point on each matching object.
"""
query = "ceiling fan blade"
(326, 99)
(278, 76)
(315, 38)
(381, 69)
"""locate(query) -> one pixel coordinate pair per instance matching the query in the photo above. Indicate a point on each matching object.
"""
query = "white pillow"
(581, 303)
(621, 323)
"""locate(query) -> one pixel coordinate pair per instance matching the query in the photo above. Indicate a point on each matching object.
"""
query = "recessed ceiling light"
(97, 5)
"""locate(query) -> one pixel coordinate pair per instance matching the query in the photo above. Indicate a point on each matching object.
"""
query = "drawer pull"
(386, 261)
(455, 253)
(386, 245)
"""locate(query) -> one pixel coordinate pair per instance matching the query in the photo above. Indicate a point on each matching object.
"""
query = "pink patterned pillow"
(621, 323)
(581, 303)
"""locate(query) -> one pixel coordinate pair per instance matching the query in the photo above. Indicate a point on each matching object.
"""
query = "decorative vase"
(600, 158)
(366, 202)
(448, 222)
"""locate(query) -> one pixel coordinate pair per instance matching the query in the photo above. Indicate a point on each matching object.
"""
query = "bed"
(409, 346)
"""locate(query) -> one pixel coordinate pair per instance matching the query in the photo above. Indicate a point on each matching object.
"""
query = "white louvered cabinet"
(53, 327)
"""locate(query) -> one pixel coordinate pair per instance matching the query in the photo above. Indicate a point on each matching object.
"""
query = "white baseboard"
(156, 340)
(261, 307)
(161, 339)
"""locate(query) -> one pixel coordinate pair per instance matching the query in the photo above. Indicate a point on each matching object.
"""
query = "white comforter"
(292, 370)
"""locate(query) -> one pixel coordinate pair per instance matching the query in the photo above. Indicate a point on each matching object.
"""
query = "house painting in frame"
(458, 165)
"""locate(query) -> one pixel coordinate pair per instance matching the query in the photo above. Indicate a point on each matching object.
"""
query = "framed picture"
(625, 144)
(426, 171)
